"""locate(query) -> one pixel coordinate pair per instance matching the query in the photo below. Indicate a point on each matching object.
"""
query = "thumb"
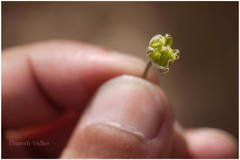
(128, 118)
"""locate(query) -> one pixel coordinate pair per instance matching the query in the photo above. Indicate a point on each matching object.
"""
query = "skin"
(74, 97)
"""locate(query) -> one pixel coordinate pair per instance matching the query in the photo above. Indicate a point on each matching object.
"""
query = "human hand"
(71, 96)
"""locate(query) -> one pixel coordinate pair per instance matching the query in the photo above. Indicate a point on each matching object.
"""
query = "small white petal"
(158, 36)
(163, 69)
(149, 49)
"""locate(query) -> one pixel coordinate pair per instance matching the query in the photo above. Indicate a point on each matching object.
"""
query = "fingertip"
(126, 119)
(211, 143)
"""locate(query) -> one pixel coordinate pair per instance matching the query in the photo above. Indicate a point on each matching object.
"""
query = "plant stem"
(149, 64)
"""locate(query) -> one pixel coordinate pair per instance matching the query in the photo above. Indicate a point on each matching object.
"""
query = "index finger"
(41, 79)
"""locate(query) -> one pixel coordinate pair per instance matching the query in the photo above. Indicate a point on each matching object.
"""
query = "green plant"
(160, 54)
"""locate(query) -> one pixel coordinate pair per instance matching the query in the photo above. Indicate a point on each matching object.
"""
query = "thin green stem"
(149, 64)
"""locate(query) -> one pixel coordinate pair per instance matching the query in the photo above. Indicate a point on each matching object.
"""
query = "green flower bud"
(160, 52)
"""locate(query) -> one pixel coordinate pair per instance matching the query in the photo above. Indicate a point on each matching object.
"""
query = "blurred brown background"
(202, 86)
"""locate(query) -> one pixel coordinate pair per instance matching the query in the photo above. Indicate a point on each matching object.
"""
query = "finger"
(128, 118)
(42, 79)
(210, 143)
(179, 148)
